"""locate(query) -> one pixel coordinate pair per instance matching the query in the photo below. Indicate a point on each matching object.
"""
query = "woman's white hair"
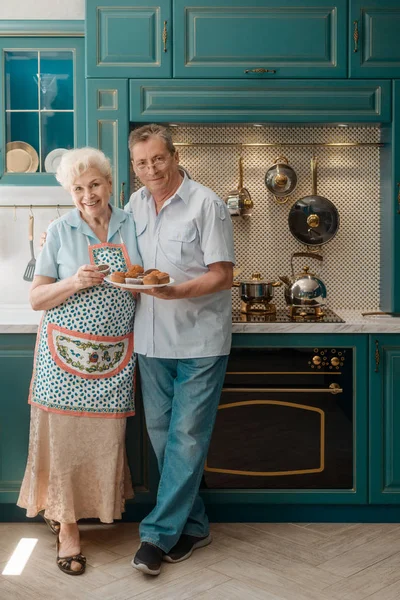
(75, 162)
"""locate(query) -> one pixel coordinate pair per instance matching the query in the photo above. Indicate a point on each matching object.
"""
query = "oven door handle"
(334, 388)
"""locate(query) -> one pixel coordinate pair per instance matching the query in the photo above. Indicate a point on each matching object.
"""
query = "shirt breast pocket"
(141, 228)
(179, 244)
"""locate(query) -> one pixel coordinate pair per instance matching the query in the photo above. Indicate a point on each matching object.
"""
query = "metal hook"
(31, 211)
(58, 210)
(15, 212)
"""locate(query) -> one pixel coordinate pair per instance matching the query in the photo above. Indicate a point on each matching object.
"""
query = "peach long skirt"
(76, 469)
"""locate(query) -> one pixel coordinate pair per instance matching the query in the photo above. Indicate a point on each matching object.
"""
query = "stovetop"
(282, 316)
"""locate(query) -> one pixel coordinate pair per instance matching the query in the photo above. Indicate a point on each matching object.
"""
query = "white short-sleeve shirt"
(192, 230)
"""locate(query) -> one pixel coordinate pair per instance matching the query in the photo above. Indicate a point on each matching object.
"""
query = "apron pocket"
(89, 356)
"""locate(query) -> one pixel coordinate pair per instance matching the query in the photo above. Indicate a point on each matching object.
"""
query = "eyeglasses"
(159, 161)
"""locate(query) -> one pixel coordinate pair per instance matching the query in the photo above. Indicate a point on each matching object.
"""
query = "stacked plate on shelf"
(21, 158)
(53, 158)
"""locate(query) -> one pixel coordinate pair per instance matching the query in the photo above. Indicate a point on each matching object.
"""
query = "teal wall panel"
(108, 128)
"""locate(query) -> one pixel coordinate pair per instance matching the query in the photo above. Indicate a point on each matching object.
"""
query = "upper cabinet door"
(259, 39)
(42, 106)
(128, 38)
(375, 40)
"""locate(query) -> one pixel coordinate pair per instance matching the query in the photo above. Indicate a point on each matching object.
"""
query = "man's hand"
(168, 292)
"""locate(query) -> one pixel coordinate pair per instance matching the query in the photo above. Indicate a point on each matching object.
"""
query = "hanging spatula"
(30, 267)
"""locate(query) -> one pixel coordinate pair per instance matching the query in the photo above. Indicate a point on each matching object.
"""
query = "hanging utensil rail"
(35, 206)
(279, 144)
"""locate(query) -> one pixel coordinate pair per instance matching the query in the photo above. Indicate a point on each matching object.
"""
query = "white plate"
(138, 286)
(53, 158)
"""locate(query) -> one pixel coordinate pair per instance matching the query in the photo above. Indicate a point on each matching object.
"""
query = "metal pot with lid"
(256, 289)
(305, 288)
(281, 180)
(313, 220)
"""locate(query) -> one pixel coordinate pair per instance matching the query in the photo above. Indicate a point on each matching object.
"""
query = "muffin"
(134, 280)
(148, 271)
(151, 279)
(117, 277)
(163, 277)
(134, 271)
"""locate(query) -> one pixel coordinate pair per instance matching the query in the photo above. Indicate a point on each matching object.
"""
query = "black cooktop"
(282, 316)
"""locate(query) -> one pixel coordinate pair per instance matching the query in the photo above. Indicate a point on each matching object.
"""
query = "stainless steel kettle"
(305, 288)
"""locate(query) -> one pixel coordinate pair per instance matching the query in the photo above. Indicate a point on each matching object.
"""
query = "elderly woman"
(82, 386)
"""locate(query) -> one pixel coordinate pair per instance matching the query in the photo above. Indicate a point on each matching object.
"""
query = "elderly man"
(182, 338)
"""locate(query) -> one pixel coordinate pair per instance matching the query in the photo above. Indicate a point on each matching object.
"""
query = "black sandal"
(54, 526)
(64, 562)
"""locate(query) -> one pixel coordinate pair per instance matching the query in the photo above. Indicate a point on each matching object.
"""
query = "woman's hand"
(87, 276)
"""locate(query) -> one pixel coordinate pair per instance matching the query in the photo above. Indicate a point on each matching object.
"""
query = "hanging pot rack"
(284, 144)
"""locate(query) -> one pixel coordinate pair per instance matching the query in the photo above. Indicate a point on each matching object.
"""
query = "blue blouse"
(67, 243)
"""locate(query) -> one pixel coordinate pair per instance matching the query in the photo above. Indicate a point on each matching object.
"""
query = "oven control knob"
(335, 361)
(317, 360)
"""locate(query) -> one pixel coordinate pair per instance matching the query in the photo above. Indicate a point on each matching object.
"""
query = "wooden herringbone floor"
(260, 561)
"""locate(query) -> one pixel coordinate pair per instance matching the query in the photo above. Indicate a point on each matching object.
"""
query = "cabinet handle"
(355, 35)
(122, 195)
(334, 388)
(398, 198)
(377, 356)
(165, 36)
(260, 70)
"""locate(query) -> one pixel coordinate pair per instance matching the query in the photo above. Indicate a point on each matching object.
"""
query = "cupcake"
(117, 277)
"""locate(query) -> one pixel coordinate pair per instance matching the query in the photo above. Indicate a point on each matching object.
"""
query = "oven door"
(283, 435)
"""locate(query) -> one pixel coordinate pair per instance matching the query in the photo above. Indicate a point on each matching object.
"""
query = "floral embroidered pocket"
(89, 356)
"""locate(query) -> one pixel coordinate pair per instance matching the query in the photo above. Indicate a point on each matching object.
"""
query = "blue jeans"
(180, 398)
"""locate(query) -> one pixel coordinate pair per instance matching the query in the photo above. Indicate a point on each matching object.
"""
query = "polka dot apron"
(84, 360)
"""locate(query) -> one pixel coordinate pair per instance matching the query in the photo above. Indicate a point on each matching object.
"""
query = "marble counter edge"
(22, 319)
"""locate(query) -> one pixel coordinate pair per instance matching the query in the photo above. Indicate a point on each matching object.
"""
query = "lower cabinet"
(16, 360)
(384, 419)
(291, 429)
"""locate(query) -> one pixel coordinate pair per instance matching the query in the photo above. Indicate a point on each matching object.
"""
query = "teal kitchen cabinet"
(16, 353)
(108, 127)
(374, 49)
(390, 210)
(42, 106)
(128, 38)
(384, 419)
(286, 101)
(258, 39)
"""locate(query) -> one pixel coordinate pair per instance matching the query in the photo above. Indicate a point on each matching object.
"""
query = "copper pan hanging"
(314, 219)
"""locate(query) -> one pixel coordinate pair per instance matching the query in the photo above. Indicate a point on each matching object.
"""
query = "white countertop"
(22, 319)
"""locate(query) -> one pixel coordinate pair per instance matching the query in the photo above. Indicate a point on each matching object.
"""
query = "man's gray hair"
(75, 162)
(142, 134)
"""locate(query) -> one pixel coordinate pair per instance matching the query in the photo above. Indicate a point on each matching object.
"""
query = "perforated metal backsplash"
(348, 176)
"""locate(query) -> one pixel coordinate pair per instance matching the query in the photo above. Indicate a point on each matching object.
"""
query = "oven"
(285, 421)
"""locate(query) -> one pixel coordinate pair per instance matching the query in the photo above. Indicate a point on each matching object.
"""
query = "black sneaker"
(185, 546)
(148, 559)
